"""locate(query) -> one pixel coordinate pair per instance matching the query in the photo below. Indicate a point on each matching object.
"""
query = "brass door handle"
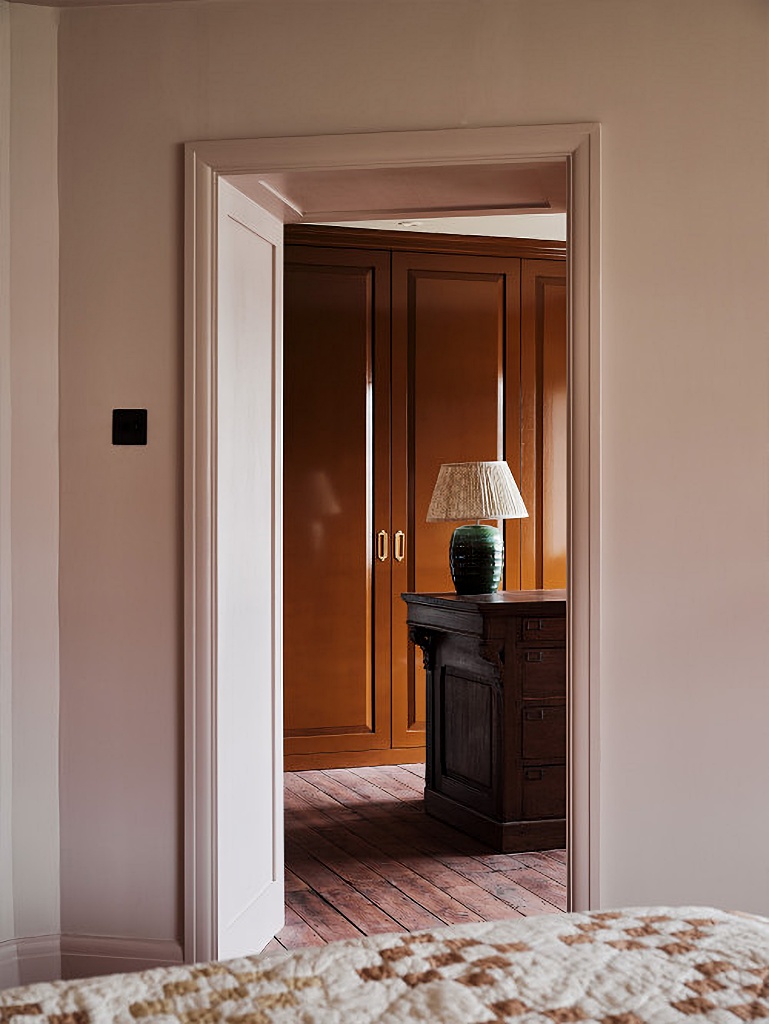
(381, 545)
(399, 546)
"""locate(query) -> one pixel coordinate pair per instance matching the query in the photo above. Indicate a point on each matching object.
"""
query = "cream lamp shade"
(476, 490)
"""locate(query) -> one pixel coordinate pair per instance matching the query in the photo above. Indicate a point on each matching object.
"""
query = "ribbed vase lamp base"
(476, 556)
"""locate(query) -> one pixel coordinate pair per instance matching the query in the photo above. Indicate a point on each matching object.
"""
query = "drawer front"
(543, 672)
(543, 732)
(544, 792)
(545, 629)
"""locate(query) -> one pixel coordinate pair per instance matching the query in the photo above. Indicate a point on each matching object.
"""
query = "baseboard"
(29, 959)
(49, 957)
(353, 759)
(504, 836)
(86, 955)
(9, 964)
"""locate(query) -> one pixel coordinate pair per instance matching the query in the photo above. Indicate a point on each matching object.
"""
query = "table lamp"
(476, 490)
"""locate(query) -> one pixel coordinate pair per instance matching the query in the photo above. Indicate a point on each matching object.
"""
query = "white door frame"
(579, 145)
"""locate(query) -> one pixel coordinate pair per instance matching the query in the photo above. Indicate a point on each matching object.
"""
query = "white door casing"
(233, 897)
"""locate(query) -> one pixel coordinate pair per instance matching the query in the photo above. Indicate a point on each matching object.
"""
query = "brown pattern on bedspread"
(642, 966)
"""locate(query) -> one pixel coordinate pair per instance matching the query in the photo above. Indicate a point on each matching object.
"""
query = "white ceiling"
(90, 3)
(342, 195)
(550, 226)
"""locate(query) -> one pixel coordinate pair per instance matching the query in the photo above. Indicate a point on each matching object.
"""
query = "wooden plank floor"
(362, 857)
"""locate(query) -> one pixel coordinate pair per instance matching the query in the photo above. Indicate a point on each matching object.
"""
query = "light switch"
(129, 426)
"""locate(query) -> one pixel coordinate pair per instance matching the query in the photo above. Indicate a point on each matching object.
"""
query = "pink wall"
(681, 92)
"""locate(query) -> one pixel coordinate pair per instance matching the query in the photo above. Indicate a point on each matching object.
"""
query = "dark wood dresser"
(496, 714)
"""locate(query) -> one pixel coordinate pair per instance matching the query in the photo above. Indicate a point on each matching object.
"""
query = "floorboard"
(362, 857)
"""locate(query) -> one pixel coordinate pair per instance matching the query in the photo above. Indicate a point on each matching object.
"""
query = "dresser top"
(501, 600)
(474, 614)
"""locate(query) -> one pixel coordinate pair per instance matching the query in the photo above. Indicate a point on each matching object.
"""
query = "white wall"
(29, 519)
(681, 91)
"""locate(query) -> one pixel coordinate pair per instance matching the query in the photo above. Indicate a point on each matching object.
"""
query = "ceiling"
(550, 226)
(391, 192)
(89, 3)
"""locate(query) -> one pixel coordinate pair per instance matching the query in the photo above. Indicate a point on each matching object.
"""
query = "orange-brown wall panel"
(452, 332)
(543, 423)
(396, 362)
(336, 469)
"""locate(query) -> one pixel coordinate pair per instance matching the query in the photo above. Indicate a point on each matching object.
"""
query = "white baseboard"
(86, 955)
(29, 959)
(9, 964)
(49, 957)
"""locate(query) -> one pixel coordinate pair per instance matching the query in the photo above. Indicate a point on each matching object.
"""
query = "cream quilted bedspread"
(643, 966)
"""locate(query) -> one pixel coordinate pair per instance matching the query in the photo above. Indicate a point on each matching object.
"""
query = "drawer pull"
(534, 715)
(534, 656)
(532, 624)
(534, 774)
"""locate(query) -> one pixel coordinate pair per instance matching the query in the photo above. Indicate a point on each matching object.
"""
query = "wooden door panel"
(336, 498)
(455, 327)
(543, 423)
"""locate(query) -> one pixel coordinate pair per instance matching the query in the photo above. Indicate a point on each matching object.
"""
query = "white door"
(248, 557)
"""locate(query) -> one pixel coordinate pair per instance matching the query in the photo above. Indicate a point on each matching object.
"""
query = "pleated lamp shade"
(475, 490)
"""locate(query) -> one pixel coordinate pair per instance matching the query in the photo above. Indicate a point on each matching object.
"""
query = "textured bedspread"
(640, 966)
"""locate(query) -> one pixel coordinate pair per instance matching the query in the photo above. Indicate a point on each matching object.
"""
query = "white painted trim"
(584, 526)
(49, 957)
(9, 964)
(199, 592)
(454, 146)
(86, 955)
(579, 144)
(27, 960)
(6, 622)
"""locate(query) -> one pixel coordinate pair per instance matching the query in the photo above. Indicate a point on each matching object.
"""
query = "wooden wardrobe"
(404, 351)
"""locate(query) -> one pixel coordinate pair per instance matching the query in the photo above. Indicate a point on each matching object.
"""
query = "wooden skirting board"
(353, 759)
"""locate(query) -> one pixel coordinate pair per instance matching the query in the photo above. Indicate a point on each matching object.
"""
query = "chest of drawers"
(496, 714)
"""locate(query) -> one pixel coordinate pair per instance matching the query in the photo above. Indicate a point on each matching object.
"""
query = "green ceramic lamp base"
(476, 556)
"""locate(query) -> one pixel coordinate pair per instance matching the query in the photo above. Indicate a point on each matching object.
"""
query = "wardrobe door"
(336, 501)
(543, 423)
(455, 323)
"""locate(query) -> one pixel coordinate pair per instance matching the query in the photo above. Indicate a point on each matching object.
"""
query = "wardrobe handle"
(381, 545)
(399, 546)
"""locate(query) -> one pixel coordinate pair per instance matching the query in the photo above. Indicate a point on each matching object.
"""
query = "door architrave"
(579, 146)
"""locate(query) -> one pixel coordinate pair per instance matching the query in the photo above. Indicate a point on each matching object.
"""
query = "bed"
(634, 966)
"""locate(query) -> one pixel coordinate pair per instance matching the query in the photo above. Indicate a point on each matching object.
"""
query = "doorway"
(405, 350)
(406, 347)
(263, 171)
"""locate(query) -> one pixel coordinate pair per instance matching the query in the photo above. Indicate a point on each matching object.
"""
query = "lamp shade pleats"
(475, 490)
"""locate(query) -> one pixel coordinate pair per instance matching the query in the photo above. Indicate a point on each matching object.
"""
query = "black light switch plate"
(129, 426)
